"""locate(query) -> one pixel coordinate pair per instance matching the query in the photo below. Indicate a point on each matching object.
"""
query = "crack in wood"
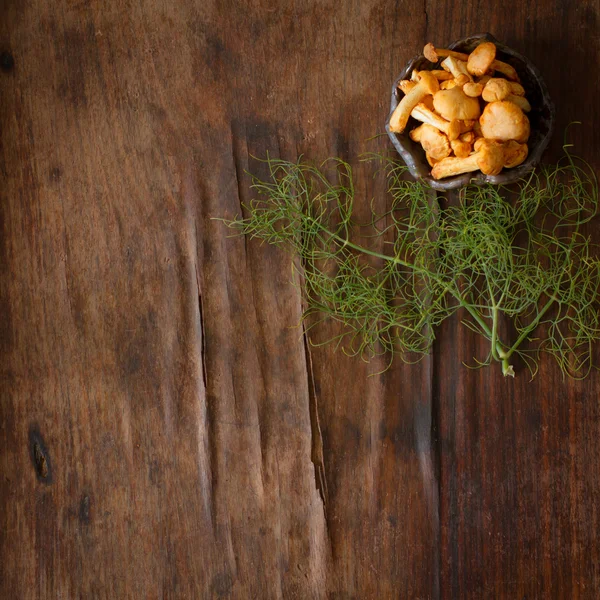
(316, 454)
(201, 316)
(203, 345)
(209, 410)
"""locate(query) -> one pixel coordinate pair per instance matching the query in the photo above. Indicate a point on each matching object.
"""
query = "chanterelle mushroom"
(434, 142)
(514, 153)
(455, 104)
(433, 54)
(496, 89)
(427, 84)
(504, 121)
(489, 159)
(481, 59)
(473, 89)
(461, 149)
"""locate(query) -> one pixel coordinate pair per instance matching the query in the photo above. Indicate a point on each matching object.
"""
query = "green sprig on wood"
(503, 254)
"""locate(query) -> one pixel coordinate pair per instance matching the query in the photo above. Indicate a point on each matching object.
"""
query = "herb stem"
(494, 331)
(346, 242)
(475, 315)
(531, 327)
(500, 352)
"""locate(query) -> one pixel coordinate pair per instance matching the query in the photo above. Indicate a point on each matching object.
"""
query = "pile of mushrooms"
(472, 112)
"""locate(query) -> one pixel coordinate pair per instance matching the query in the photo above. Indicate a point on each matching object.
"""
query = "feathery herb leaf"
(501, 252)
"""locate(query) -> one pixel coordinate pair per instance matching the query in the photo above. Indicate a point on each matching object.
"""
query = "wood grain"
(167, 430)
(519, 460)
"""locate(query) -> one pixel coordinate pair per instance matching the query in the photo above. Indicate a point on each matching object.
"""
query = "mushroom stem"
(427, 84)
(456, 67)
(455, 166)
(441, 75)
(505, 69)
(520, 101)
(405, 85)
(468, 125)
(423, 114)
(516, 88)
(433, 54)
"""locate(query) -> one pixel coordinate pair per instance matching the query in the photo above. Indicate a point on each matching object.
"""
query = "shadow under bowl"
(541, 119)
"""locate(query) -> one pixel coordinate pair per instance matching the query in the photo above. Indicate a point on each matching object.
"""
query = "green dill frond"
(515, 253)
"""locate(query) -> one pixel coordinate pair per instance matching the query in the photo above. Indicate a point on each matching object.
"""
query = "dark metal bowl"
(541, 118)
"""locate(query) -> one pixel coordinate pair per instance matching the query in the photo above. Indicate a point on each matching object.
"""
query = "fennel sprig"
(513, 253)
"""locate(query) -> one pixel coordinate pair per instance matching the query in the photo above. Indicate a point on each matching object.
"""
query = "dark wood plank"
(519, 460)
(132, 337)
(166, 429)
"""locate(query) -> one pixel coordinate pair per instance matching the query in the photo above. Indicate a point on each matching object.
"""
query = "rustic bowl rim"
(418, 166)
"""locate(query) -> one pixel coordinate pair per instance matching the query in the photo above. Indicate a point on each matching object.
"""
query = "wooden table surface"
(166, 429)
